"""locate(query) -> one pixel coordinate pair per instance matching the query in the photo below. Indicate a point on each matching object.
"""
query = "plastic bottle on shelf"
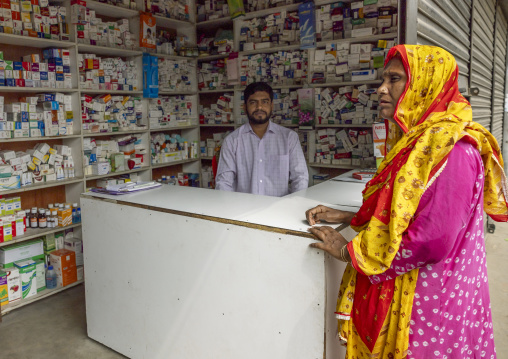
(164, 180)
(172, 181)
(79, 214)
(74, 216)
(60, 173)
(54, 218)
(50, 278)
(71, 169)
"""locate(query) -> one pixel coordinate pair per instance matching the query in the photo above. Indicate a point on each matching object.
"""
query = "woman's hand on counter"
(327, 214)
(331, 241)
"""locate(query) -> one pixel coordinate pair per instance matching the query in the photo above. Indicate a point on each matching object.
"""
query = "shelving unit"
(69, 190)
(41, 295)
(207, 26)
(32, 233)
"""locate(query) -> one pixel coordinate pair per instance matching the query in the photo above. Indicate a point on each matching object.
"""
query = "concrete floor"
(56, 326)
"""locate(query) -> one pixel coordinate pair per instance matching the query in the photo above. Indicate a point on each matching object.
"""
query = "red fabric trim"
(354, 263)
(215, 165)
(438, 166)
(402, 51)
(370, 307)
(499, 217)
(379, 204)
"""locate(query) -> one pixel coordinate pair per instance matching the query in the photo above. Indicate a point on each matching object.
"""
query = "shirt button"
(261, 181)
(260, 160)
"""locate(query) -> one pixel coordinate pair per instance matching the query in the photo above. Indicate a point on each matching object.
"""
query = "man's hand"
(327, 214)
(331, 241)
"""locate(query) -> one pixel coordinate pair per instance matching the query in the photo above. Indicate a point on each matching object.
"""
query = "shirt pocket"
(278, 166)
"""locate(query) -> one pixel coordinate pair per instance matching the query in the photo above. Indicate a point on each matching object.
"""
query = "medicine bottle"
(43, 220)
(33, 218)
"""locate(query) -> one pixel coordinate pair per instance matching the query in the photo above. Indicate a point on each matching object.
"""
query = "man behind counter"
(261, 157)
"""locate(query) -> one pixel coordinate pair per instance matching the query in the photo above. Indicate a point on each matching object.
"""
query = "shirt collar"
(271, 127)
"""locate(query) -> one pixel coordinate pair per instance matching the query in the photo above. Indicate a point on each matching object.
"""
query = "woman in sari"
(416, 281)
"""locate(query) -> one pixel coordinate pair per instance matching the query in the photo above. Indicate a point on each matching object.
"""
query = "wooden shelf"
(212, 57)
(215, 22)
(171, 23)
(32, 233)
(45, 138)
(169, 164)
(295, 86)
(271, 50)
(98, 134)
(111, 92)
(176, 93)
(172, 57)
(208, 158)
(111, 10)
(107, 51)
(27, 41)
(173, 128)
(217, 90)
(41, 295)
(113, 174)
(272, 10)
(42, 186)
(217, 124)
(35, 89)
(371, 38)
(348, 83)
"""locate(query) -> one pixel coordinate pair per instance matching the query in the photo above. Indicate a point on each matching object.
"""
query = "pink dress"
(451, 315)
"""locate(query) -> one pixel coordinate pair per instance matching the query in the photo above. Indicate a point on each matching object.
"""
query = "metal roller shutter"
(445, 23)
(499, 73)
(482, 60)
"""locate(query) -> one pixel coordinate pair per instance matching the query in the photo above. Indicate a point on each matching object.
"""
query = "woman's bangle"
(343, 255)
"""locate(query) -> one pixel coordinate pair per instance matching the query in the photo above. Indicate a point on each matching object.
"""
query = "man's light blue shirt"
(272, 166)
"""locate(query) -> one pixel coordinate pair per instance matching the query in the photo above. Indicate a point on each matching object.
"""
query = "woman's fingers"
(318, 245)
(318, 233)
(313, 214)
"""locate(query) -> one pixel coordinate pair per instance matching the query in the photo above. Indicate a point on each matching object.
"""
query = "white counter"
(182, 272)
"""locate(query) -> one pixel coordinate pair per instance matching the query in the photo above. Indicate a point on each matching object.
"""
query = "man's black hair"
(257, 87)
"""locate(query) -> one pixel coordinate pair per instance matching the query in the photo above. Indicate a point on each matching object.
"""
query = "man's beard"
(256, 121)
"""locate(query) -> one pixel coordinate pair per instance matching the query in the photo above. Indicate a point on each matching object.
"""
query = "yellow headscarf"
(433, 116)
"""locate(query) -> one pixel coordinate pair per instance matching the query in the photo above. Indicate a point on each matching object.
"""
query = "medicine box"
(64, 264)
(4, 294)
(27, 272)
(21, 251)
(75, 245)
(49, 243)
(13, 283)
(64, 217)
(40, 271)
